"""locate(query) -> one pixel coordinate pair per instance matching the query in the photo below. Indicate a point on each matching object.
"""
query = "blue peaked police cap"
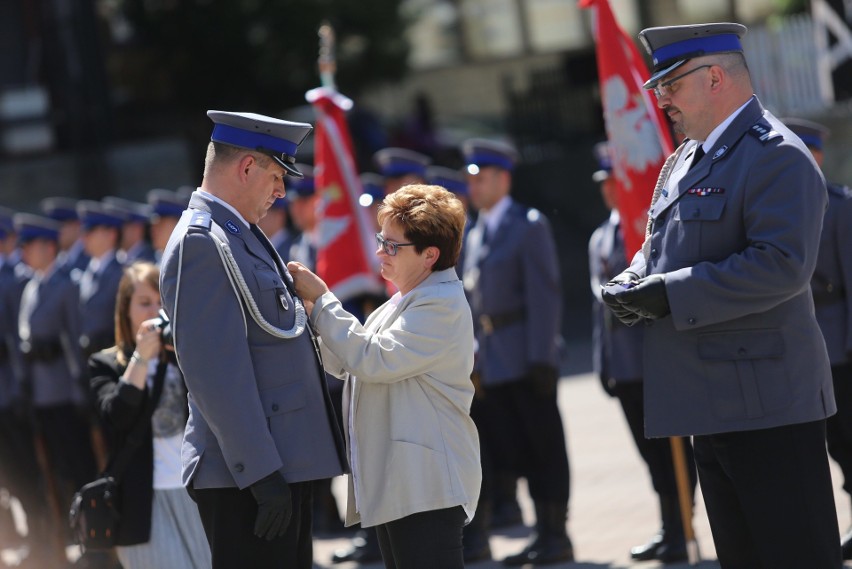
(60, 209)
(397, 162)
(29, 227)
(133, 212)
(96, 214)
(482, 152)
(672, 46)
(812, 134)
(166, 203)
(276, 138)
(453, 180)
(303, 186)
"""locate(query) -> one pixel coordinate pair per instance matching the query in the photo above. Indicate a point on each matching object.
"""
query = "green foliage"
(250, 54)
(786, 7)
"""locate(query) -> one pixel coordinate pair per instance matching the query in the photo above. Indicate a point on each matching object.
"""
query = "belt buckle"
(487, 324)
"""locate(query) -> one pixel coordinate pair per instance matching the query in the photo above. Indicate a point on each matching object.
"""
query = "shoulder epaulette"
(200, 219)
(763, 131)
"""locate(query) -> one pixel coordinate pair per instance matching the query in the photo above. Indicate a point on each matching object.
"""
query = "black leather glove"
(274, 506)
(647, 298)
(609, 293)
(544, 378)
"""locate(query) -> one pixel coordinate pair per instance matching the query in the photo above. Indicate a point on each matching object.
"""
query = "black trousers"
(228, 516)
(769, 498)
(839, 426)
(523, 433)
(426, 540)
(657, 453)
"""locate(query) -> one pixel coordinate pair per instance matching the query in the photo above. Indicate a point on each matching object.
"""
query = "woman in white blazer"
(412, 446)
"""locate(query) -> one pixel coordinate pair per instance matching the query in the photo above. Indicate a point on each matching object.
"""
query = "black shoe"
(672, 552)
(648, 551)
(846, 546)
(362, 551)
(544, 551)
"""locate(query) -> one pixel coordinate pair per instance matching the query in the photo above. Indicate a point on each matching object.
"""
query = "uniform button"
(275, 406)
(239, 467)
(691, 320)
(654, 253)
(696, 213)
(742, 351)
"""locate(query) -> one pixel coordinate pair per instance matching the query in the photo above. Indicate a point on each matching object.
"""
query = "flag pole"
(685, 498)
(327, 62)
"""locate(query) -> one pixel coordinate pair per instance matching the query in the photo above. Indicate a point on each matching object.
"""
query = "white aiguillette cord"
(236, 277)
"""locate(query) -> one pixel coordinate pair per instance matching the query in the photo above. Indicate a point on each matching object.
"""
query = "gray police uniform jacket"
(257, 403)
(517, 283)
(737, 237)
(616, 347)
(832, 280)
(97, 305)
(53, 318)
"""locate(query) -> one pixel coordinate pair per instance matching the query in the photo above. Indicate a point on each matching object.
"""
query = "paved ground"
(613, 506)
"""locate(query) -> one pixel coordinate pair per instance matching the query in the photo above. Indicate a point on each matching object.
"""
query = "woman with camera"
(136, 381)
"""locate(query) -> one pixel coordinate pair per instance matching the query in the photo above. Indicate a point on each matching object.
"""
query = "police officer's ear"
(247, 162)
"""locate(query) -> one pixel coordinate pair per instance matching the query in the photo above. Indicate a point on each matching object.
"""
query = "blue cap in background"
(29, 227)
(453, 180)
(482, 152)
(398, 162)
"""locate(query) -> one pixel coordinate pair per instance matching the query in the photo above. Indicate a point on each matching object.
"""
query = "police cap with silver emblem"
(812, 134)
(672, 46)
(274, 137)
(452, 180)
(30, 227)
(482, 152)
(398, 162)
(60, 209)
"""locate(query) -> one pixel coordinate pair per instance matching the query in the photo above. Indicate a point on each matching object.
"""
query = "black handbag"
(95, 512)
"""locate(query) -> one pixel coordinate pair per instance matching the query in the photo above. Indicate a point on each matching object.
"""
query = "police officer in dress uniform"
(49, 332)
(99, 281)
(134, 245)
(260, 427)
(617, 358)
(511, 276)
(830, 285)
(72, 258)
(733, 352)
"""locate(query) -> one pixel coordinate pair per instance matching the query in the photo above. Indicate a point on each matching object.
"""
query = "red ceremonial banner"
(346, 258)
(638, 132)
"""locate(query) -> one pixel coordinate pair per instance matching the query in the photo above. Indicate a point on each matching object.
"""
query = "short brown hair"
(430, 216)
(138, 272)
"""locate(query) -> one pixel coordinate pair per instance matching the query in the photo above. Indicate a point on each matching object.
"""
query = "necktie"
(699, 154)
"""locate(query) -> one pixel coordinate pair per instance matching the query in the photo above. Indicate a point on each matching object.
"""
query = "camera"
(164, 326)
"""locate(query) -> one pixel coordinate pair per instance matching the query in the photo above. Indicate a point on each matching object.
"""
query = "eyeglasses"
(389, 247)
(663, 89)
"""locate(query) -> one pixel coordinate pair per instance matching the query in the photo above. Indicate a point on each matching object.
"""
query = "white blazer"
(407, 398)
